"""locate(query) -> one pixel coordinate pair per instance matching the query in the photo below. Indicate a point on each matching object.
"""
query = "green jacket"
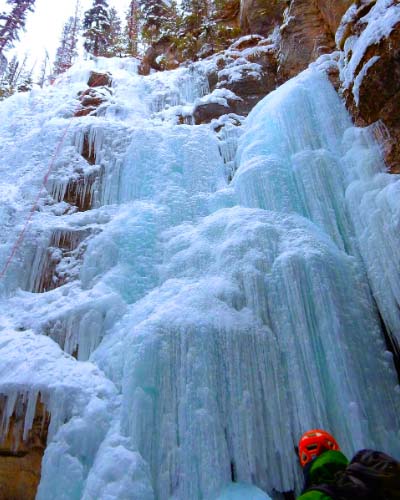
(322, 470)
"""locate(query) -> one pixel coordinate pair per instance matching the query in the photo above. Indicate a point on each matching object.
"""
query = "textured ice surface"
(212, 322)
(238, 491)
(74, 392)
(328, 171)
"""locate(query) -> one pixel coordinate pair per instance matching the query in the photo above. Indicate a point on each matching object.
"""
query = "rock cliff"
(282, 38)
(261, 16)
(21, 457)
(365, 32)
(369, 40)
(302, 30)
(304, 36)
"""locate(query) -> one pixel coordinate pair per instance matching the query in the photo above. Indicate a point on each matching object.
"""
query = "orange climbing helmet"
(313, 443)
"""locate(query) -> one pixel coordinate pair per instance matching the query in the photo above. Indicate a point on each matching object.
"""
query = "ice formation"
(205, 323)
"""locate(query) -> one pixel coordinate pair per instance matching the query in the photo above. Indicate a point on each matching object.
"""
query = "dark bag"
(371, 475)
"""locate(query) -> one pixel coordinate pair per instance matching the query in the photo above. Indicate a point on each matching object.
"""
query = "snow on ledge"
(35, 364)
(218, 96)
(380, 22)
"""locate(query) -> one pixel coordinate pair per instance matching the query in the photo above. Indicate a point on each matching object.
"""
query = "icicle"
(110, 181)
(195, 85)
(22, 405)
(38, 264)
(372, 200)
(79, 332)
(8, 400)
(79, 139)
(30, 404)
(229, 136)
(96, 140)
(83, 333)
(57, 187)
(189, 84)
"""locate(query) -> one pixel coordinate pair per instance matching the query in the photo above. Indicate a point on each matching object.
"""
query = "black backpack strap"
(329, 489)
(371, 475)
(344, 490)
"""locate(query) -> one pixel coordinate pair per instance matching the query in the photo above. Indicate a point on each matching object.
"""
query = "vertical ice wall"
(221, 320)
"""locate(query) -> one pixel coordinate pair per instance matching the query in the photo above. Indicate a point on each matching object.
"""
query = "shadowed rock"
(21, 460)
(91, 99)
(99, 79)
(378, 85)
(204, 113)
(61, 260)
(260, 16)
(305, 36)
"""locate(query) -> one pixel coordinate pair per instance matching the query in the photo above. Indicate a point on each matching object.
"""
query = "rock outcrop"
(20, 460)
(304, 37)
(299, 32)
(161, 55)
(306, 28)
(261, 16)
(332, 12)
(61, 261)
(98, 93)
(91, 99)
(246, 72)
(252, 75)
(99, 79)
(370, 40)
(205, 112)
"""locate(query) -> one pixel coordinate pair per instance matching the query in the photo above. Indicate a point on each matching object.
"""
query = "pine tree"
(66, 52)
(8, 80)
(12, 23)
(25, 81)
(195, 13)
(3, 64)
(153, 14)
(132, 28)
(97, 25)
(74, 33)
(61, 62)
(15, 78)
(115, 39)
(173, 22)
(44, 70)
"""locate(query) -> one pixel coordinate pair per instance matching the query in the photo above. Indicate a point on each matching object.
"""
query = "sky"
(44, 26)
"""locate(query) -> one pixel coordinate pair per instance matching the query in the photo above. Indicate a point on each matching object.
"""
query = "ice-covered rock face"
(369, 39)
(212, 322)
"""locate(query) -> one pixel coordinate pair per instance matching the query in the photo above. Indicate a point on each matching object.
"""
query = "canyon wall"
(367, 35)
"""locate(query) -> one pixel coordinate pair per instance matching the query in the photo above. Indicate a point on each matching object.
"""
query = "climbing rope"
(60, 144)
(21, 236)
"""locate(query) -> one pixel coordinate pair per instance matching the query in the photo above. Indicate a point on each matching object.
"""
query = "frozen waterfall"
(184, 330)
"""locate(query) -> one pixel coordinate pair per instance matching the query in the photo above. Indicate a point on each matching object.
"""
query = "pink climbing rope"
(21, 236)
